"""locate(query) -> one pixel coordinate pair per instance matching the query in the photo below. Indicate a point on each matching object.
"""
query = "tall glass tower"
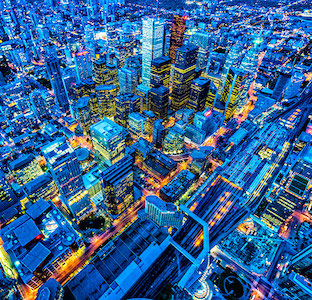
(55, 77)
(152, 45)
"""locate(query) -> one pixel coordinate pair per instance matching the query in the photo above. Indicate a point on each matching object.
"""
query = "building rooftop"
(21, 162)
(37, 183)
(162, 205)
(107, 129)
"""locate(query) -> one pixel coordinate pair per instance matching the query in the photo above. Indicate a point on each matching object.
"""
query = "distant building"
(83, 65)
(99, 71)
(108, 141)
(125, 105)
(144, 93)
(83, 114)
(199, 93)
(160, 101)
(68, 180)
(117, 182)
(128, 80)
(55, 77)
(25, 168)
(137, 124)
(152, 45)
(160, 71)
(201, 40)
(105, 100)
(184, 70)
(176, 36)
(39, 242)
(280, 86)
(38, 105)
(232, 92)
(162, 213)
(158, 133)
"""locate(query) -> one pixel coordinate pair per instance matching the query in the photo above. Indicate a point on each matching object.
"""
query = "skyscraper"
(201, 39)
(99, 71)
(108, 140)
(158, 133)
(232, 60)
(55, 77)
(144, 93)
(64, 167)
(177, 34)
(105, 96)
(83, 114)
(160, 71)
(233, 88)
(199, 92)
(152, 45)
(125, 105)
(83, 65)
(117, 182)
(128, 80)
(160, 101)
(281, 84)
(38, 105)
(183, 75)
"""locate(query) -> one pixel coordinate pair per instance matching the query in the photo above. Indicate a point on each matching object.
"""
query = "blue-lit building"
(128, 80)
(83, 114)
(117, 182)
(160, 101)
(38, 105)
(55, 77)
(25, 168)
(83, 65)
(125, 105)
(41, 187)
(108, 139)
(64, 167)
(158, 133)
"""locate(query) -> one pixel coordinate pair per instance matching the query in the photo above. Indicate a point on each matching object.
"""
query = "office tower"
(137, 124)
(158, 133)
(201, 40)
(152, 45)
(249, 65)
(125, 105)
(212, 94)
(108, 139)
(183, 75)
(232, 60)
(160, 71)
(176, 36)
(38, 105)
(174, 141)
(105, 96)
(111, 33)
(150, 119)
(40, 243)
(199, 92)
(83, 65)
(162, 213)
(41, 187)
(281, 84)
(55, 77)
(83, 114)
(160, 101)
(144, 93)
(117, 182)
(232, 91)
(25, 168)
(128, 80)
(99, 71)
(64, 167)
